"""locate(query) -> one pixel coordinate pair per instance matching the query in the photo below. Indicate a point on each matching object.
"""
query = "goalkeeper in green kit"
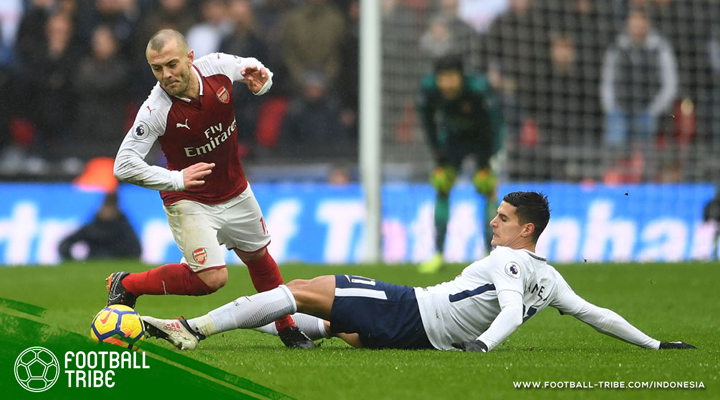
(461, 117)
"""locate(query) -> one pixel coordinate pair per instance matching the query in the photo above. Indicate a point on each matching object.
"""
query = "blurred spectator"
(120, 16)
(273, 16)
(685, 25)
(171, 14)
(31, 34)
(312, 125)
(108, 236)
(101, 84)
(339, 175)
(448, 34)
(69, 8)
(11, 12)
(589, 22)
(515, 46)
(4, 49)
(244, 42)
(585, 30)
(711, 215)
(349, 85)
(4, 102)
(312, 41)
(402, 68)
(560, 113)
(480, 14)
(639, 82)
(714, 109)
(466, 40)
(205, 37)
(244, 39)
(565, 110)
(437, 41)
(50, 70)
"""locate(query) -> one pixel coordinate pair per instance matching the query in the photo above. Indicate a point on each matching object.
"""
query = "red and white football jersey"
(190, 131)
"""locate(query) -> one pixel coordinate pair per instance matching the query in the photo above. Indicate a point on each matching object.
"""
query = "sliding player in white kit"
(206, 196)
(474, 312)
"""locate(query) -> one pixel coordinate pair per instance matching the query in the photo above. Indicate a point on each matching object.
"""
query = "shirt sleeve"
(130, 165)
(505, 272)
(232, 66)
(506, 322)
(603, 320)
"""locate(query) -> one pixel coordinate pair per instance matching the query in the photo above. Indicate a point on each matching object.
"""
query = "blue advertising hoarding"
(319, 223)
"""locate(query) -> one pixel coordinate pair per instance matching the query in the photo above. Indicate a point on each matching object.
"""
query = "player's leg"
(265, 275)
(245, 232)
(202, 270)
(374, 314)
(442, 179)
(315, 328)
(314, 297)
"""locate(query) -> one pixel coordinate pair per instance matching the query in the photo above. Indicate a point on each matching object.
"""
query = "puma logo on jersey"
(181, 125)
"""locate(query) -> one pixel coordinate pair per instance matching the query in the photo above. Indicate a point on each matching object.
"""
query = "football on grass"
(118, 324)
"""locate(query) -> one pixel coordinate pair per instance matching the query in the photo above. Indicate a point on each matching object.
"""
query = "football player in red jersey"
(206, 196)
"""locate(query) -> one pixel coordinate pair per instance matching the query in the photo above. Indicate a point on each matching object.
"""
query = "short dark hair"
(531, 207)
(163, 36)
(451, 62)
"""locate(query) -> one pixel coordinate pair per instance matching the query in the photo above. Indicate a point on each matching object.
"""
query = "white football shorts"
(200, 230)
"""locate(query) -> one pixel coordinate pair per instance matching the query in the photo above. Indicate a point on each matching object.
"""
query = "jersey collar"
(200, 83)
(533, 255)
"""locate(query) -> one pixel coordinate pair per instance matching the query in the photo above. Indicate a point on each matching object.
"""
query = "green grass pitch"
(666, 301)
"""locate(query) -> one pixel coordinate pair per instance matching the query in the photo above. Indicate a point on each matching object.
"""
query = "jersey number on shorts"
(361, 280)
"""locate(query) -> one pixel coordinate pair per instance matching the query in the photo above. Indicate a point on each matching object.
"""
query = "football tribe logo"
(37, 369)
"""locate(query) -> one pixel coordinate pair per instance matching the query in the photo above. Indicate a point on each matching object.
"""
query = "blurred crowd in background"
(613, 90)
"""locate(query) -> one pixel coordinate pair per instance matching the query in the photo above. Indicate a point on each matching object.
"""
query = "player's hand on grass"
(255, 77)
(675, 345)
(471, 347)
(194, 175)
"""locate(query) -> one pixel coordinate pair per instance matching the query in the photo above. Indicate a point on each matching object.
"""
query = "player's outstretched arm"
(607, 321)
(506, 322)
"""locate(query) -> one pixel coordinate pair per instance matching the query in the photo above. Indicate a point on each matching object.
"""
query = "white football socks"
(313, 327)
(247, 312)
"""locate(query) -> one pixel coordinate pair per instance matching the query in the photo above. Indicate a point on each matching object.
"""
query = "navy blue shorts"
(386, 316)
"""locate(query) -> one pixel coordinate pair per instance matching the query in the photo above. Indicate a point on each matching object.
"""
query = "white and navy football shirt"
(464, 308)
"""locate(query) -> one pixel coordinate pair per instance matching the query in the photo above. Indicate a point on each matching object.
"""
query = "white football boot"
(175, 331)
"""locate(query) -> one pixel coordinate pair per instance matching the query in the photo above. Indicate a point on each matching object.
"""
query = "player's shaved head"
(531, 207)
(165, 36)
(169, 58)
